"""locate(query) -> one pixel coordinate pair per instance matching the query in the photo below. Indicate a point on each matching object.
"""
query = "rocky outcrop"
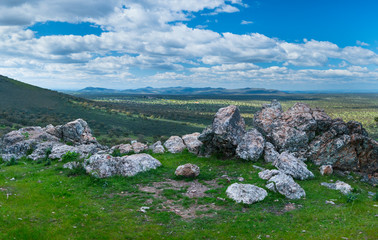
(104, 165)
(292, 166)
(192, 143)
(187, 170)
(77, 132)
(291, 130)
(286, 186)
(72, 165)
(246, 193)
(157, 147)
(345, 146)
(226, 132)
(341, 186)
(36, 142)
(251, 146)
(175, 144)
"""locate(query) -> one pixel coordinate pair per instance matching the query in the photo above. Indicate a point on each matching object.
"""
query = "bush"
(70, 157)
(116, 153)
(12, 162)
(351, 197)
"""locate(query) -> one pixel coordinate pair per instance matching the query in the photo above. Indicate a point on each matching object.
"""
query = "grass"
(48, 202)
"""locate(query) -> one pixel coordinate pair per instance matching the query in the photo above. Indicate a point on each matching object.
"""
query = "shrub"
(351, 197)
(70, 156)
(116, 153)
(26, 135)
(12, 162)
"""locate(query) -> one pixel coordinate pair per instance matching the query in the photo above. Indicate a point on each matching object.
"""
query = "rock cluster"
(282, 183)
(289, 138)
(36, 141)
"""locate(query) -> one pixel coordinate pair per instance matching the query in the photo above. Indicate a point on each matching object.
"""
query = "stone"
(42, 148)
(251, 146)
(157, 147)
(285, 185)
(267, 174)
(290, 165)
(175, 144)
(326, 170)
(246, 193)
(77, 132)
(346, 147)
(84, 150)
(270, 153)
(341, 186)
(123, 148)
(265, 120)
(192, 143)
(139, 147)
(224, 135)
(188, 170)
(104, 165)
(72, 165)
(59, 150)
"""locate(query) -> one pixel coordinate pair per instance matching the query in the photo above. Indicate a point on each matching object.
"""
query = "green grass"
(48, 202)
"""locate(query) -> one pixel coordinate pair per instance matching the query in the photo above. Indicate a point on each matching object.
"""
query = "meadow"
(41, 200)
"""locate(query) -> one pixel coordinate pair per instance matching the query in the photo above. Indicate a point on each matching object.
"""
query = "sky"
(291, 45)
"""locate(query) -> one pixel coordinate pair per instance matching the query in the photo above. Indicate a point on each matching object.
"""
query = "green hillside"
(26, 105)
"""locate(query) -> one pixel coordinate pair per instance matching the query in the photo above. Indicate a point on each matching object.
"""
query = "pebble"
(240, 179)
(12, 179)
(143, 209)
(330, 202)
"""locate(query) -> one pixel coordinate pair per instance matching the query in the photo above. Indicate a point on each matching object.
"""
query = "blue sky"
(286, 45)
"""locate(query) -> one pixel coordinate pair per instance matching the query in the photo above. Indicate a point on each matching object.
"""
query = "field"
(197, 112)
(42, 201)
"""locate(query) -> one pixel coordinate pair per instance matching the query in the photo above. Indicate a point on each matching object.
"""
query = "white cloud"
(358, 42)
(245, 22)
(149, 38)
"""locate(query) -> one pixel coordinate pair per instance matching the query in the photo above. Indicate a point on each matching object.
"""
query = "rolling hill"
(22, 104)
(177, 91)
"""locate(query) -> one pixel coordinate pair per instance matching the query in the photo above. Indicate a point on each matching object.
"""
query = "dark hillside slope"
(26, 105)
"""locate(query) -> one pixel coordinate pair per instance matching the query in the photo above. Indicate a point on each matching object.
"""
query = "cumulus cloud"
(152, 38)
(358, 42)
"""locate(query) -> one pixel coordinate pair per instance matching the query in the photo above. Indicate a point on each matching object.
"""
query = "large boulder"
(77, 132)
(42, 149)
(292, 166)
(268, 174)
(291, 130)
(192, 143)
(187, 170)
(265, 120)
(104, 165)
(347, 147)
(175, 144)
(226, 132)
(246, 193)
(251, 146)
(286, 186)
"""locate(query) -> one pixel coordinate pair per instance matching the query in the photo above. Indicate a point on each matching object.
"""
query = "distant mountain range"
(179, 91)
